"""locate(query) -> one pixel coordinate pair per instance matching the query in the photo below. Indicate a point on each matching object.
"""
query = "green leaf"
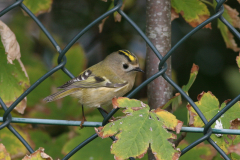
(139, 128)
(13, 82)
(193, 75)
(231, 15)
(209, 106)
(200, 152)
(225, 141)
(13, 145)
(235, 139)
(14, 79)
(227, 36)
(97, 149)
(4, 155)
(38, 6)
(238, 61)
(193, 11)
(38, 155)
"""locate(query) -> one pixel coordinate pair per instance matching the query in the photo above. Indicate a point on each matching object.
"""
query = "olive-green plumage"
(97, 85)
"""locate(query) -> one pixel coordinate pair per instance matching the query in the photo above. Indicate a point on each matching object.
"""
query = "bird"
(99, 84)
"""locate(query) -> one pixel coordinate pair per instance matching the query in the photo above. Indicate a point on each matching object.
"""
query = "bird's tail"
(60, 94)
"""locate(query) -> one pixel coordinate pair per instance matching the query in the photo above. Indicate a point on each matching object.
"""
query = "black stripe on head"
(130, 57)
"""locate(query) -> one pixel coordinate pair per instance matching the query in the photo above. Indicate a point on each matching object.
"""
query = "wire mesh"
(7, 119)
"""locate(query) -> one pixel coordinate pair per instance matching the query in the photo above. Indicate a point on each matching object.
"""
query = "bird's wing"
(88, 80)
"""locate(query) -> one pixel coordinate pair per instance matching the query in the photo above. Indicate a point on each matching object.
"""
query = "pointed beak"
(138, 69)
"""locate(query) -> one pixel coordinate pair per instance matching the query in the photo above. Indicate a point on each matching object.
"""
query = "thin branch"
(183, 135)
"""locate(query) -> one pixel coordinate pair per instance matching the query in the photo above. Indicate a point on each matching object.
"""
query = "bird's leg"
(83, 118)
(112, 119)
(103, 109)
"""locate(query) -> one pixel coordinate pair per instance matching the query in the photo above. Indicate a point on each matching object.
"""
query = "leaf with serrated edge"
(140, 127)
(231, 15)
(4, 155)
(233, 149)
(15, 147)
(38, 7)
(38, 155)
(193, 11)
(209, 106)
(13, 76)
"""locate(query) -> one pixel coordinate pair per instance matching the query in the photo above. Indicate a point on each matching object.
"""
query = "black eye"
(125, 66)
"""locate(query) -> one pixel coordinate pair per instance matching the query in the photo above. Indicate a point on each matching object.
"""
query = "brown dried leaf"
(195, 68)
(174, 14)
(233, 13)
(179, 126)
(100, 26)
(117, 16)
(232, 43)
(15, 71)
(191, 115)
(235, 123)
(10, 43)
(193, 11)
(196, 22)
(21, 105)
(39, 154)
(234, 148)
(4, 155)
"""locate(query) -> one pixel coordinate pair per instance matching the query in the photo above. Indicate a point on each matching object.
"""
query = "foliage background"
(218, 72)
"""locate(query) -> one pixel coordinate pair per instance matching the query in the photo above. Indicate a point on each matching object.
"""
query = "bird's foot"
(112, 119)
(82, 121)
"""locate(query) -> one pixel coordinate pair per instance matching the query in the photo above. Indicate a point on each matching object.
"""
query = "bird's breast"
(102, 96)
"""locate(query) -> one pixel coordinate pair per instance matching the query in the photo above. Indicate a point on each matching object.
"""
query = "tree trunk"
(158, 30)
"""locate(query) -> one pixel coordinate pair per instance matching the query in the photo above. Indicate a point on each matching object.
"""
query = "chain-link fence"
(7, 119)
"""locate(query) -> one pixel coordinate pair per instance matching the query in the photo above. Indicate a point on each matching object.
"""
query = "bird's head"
(124, 63)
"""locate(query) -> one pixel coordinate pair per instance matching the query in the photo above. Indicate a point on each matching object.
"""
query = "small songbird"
(97, 85)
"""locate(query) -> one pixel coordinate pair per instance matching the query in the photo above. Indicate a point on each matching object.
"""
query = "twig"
(183, 135)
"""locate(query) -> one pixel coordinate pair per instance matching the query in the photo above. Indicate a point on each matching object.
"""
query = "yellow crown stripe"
(128, 54)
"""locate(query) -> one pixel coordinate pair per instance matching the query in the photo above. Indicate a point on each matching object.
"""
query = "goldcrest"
(97, 85)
